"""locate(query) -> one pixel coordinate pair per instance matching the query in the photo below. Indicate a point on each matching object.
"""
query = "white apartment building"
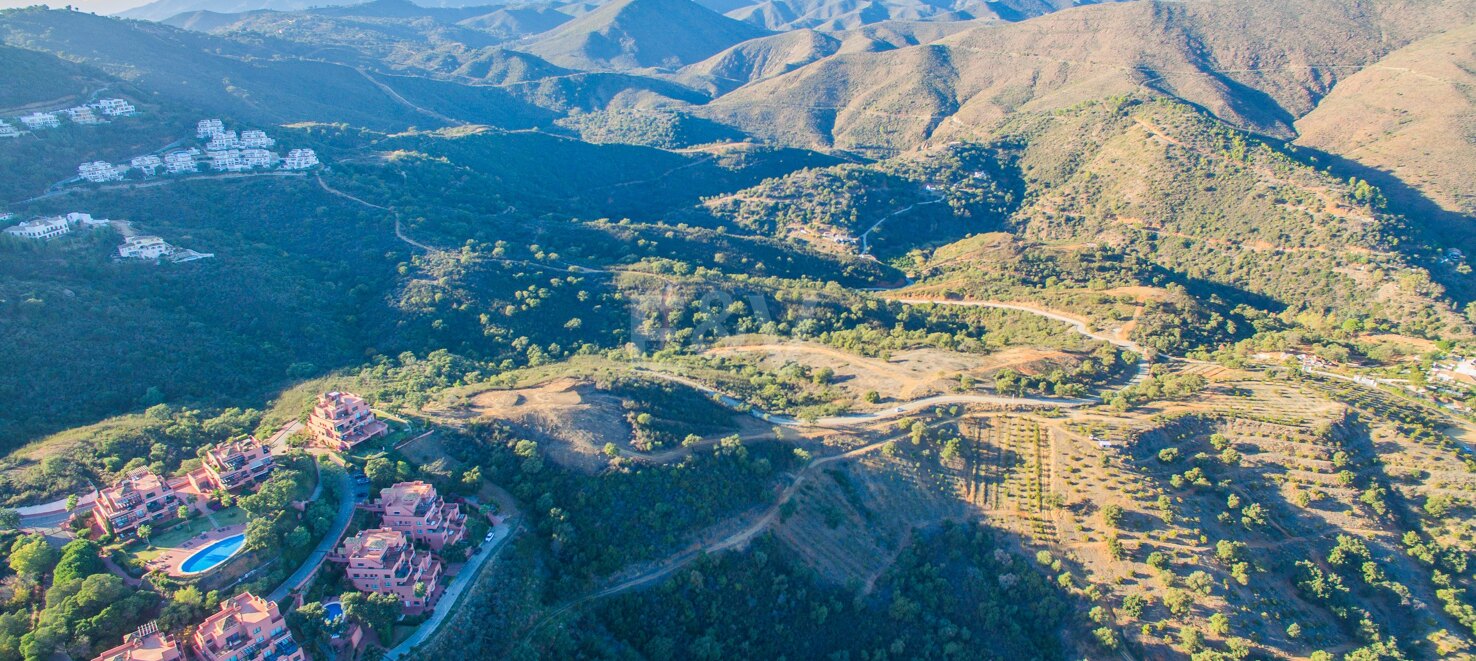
(8, 131)
(226, 161)
(257, 139)
(41, 120)
(300, 159)
(115, 107)
(258, 158)
(101, 171)
(41, 228)
(223, 141)
(149, 164)
(82, 115)
(209, 128)
(144, 247)
(179, 162)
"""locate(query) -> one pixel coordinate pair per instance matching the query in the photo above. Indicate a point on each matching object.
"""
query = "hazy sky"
(96, 6)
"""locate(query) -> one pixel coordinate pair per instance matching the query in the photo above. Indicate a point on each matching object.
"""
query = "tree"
(871, 397)
(1112, 515)
(9, 519)
(79, 559)
(373, 610)
(380, 471)
(72, 501)
(183, 511)
(471, 480)
(31, 556)
(144, 532)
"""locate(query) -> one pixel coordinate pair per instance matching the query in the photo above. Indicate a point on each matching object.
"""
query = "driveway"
(340, 524)
(466, 577)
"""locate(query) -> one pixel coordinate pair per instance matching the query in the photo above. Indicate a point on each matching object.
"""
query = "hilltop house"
(41, 120)
(115, 107)
(300, 159)
(415, 509)
(144, 247)
(8, 131)
(384, 561)
(247, 628)
(179, 162)
(149, 164)
(140, 497)
(209, 128)
(257, 139)
(145, 644)
(342, 420)
(41, 228)
(101, 171)
(78, 217)
(232, 465)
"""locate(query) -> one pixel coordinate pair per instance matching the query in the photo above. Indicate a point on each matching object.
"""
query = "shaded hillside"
(849, 14)
(1258, 65)
(757, 59)
(641, 33)
(32, 77)
(1411, 115)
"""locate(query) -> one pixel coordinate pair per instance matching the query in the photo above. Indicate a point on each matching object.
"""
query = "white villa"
(300, 159)
(223, 141)
(41, 120)
(179, 162)
(115, 107)
(41, 228)
(144, 247)
(101, 171)
(52, 226)
(256, 139)
(8, 131)
(149, 164)
(82, 115)
(209, 128)
(258, 158)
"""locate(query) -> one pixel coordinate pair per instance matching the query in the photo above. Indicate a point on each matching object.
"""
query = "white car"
(488, 538)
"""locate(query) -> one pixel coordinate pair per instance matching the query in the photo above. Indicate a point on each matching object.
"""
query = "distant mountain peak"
(633, 34)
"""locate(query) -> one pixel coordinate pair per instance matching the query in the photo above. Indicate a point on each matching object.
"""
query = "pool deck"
(171, 559)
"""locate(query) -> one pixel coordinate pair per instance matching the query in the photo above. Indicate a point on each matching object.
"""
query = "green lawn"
(176, 536)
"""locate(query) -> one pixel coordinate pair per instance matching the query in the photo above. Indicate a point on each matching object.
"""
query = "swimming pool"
(212, 556)
(334, 611)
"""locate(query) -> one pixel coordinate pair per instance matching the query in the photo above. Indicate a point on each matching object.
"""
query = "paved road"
(447, 604)
(340, 524)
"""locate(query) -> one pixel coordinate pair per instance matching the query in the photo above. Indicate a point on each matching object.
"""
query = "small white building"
(8, 131)
(258, 158)
(257, 139)
(41, 228)
(179, 162)
(41, 120)
(80, 218)
(144, 247)
(223, 141)
(101, 171)
(115, 107)
(82, 115)
(209, 128)
(149, 164)
(300, 159)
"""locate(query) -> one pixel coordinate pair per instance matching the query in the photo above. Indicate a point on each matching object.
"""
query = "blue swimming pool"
(334, 611)
(212, 556)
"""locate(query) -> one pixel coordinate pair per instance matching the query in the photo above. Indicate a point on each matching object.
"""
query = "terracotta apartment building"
(233, 465)
(384, 561)
(247, 628)
(342, 420)
(140, 497)
(146, 644)
(414, 508)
